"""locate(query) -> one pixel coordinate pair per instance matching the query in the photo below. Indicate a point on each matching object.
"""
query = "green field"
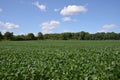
(60, 60)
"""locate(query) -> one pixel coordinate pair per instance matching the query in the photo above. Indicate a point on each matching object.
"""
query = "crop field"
(60, 60)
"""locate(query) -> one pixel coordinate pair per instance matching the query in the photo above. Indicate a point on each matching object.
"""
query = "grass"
(60, 60)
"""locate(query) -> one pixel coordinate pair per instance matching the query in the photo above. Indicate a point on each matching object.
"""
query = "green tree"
(75, 36)
(82, 35)
(67, 36)
(40, 36)
(30, 36)
(8, 36)
(19, 37)
(87, 36)
(118, 36)
(1, 36)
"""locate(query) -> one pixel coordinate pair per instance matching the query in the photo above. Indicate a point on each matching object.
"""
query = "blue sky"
(57, 16)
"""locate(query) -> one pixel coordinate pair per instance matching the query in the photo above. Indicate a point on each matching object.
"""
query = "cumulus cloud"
(102, 30)
(107, 27)
(66, 19)
(72, 10)
(40, 6)
(47, 27)
(9, 25)
(3, 31)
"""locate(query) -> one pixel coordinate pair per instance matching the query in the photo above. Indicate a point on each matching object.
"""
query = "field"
(60, 60)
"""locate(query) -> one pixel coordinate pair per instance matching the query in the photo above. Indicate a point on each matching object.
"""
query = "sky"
(58, 16)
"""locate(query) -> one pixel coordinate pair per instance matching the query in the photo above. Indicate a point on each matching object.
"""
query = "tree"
(99, 36)
(62, 36)
(87, 36)
(40, 36)
(82, 35)
(66, 36)
(1, 36)
(118, 36)
(8, 36)
(30, 36)
(19, 37)
(75, 36)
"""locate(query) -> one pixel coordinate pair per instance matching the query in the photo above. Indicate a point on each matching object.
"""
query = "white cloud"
(47, 27)
(65, 19)
(9, 25)
(3, 31)
(40, 6)
(1, 10)
(56, 10)
(22, 33)
(107, 27)
(102, 30)
(72, 10)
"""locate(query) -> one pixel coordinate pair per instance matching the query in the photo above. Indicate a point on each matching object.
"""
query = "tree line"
(61, 36)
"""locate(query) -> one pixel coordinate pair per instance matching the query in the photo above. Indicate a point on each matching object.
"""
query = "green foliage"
(40, 36)
(60, 60)
(1, 36)
(63, 36)
(8, 36)
(30, 36)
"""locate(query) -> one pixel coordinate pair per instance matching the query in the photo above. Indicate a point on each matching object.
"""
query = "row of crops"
(60, 60)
